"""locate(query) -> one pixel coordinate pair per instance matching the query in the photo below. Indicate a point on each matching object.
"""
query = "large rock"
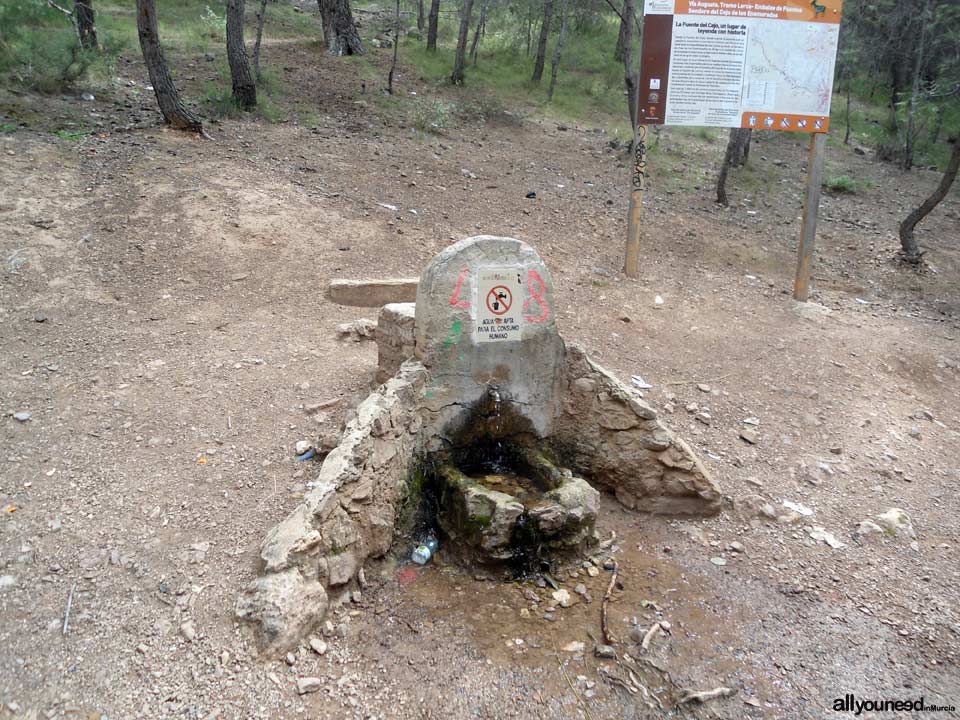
(285, 606)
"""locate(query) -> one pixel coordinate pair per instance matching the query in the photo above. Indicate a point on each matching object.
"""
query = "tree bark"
(420, 15)
(432, 25)
(261, 18)
(477, 32)
(555, 63)
(741, 146)
(625, 33)
(458, 62)
(168, 98)
(86, 24)
(915, 87)
(396, 48)
(846, 135)
(540, 59)
(629, 80)
(911, 251)
(339, 29)
(725, 167)
(244, 88)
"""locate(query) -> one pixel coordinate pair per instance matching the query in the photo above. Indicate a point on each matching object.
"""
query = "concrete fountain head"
(488, 428)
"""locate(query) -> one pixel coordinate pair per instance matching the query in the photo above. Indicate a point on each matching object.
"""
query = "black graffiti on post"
(640, 159)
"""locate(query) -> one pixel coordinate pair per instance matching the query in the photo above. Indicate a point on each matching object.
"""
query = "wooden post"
(811, 207)
(631, 265)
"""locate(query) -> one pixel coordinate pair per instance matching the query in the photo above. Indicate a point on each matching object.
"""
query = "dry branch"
(607, 637)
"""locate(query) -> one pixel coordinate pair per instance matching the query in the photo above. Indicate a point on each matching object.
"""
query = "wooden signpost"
(760, 64)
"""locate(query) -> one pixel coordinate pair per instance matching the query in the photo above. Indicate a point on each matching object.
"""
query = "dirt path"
(163, 322)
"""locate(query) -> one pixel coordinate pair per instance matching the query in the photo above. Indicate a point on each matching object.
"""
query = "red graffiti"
(455, 300)
(538, 289)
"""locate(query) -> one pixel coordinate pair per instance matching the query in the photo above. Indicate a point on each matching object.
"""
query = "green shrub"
(431, 115)
(841, 184)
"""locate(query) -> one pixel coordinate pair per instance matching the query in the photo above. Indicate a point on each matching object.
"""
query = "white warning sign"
(499, 303)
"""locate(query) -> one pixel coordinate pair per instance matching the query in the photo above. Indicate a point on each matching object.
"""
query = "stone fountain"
(488, 430)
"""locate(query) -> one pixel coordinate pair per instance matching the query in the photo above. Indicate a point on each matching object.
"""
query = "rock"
(21, 416)
(821, 535)
(285, 605)
(719, 561)
(593, 571)
(7, 582)
(307, 685)
(736, 547)
(914, 432)
(318, 646)
(868, 528)
(580, 589)
(574, 647)
(750, 436)
(692, 407)
(605, 651)
(703, 387)
(188, 631)
(798, 508)
(302, 446)
(895, 521)
(524, 613)
(754, 505)
(923, 415)
(357, 330)
(563, 597)
(39, 317)
(703, 417)
(290, 659)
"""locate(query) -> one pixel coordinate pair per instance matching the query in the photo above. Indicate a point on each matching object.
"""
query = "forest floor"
(163, 322)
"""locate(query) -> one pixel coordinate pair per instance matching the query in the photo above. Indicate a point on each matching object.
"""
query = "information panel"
(764, 65)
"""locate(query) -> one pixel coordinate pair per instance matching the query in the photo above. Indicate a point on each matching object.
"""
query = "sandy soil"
(162, 320)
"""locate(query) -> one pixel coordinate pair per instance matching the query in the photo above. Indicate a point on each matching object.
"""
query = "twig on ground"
(573, 689)
(706, 695)
(692, 382)
(66, 615)
(607, 637)
(650, 634)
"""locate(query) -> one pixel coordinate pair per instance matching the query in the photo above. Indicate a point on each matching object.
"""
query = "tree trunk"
(261, 18)
(741, 146)
(339, 30)
(244, 89)
(396, 48)
(458, 62)
(911, 251)
(168, 99)
(478, 31)
(915, 88)
(529, 34)
(86, 24)
(622, 37)
(432, 25)
(555, 63)
(846, 136)
(420, 15)
(540, 59)
(725, 167)
(628, 77)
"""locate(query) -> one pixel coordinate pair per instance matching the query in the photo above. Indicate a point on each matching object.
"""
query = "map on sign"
(499, 314)
(739, 64)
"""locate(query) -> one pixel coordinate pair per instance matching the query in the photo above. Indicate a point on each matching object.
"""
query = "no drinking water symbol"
(499, 299)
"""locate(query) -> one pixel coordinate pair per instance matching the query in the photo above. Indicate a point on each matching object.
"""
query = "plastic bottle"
(423, 552)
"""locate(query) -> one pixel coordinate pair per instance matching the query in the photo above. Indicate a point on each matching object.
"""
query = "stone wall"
(313, 556)
(395, 338)
(613, 438)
